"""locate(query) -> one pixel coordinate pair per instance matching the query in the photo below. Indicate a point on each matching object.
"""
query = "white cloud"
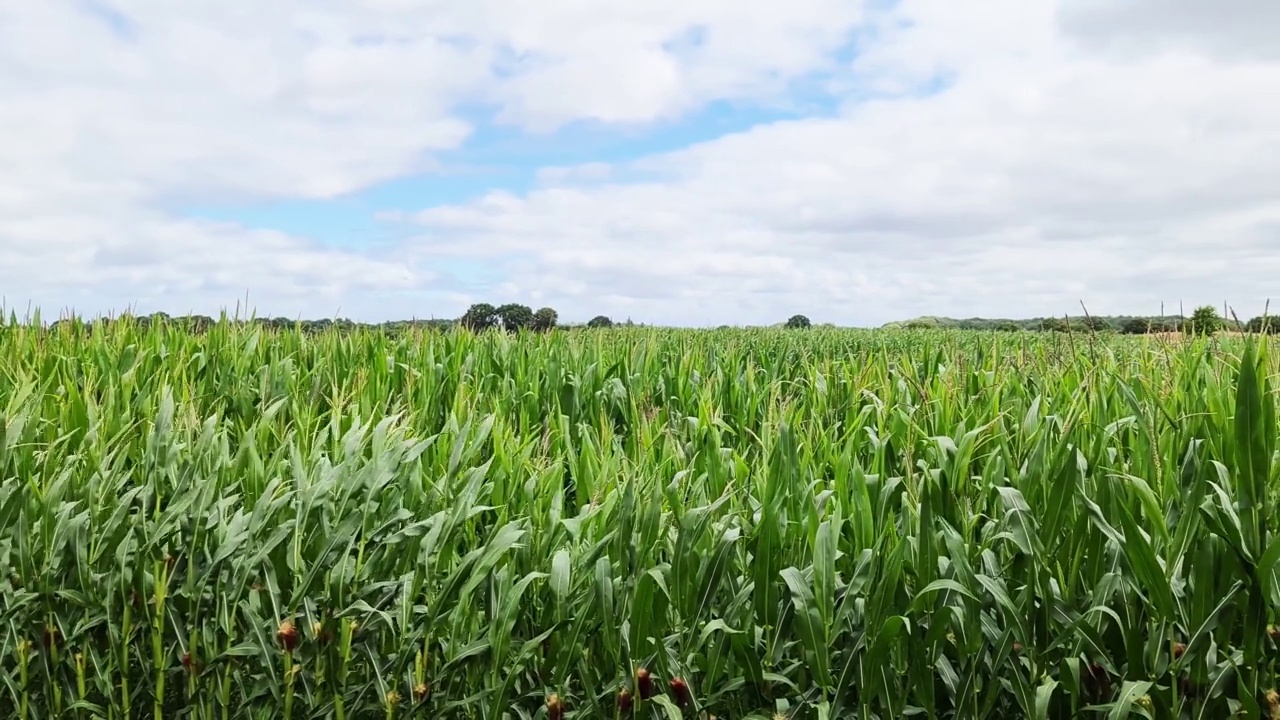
(1076, 151)
(1045, 174)
(115, 109)
(634, 62)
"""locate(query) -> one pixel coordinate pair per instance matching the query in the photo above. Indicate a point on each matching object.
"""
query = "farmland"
(250, 522)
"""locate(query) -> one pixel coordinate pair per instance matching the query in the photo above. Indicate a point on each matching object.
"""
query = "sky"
(676, 162)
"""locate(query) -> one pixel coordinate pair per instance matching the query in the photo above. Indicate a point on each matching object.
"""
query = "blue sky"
(494, 158)
(116, 21)
(680, 162)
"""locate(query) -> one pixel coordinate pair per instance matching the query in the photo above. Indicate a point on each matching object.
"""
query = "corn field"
(256, 523)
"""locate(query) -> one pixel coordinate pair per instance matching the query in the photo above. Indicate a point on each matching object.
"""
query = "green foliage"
(514, 317)
(1137, 326)
(1143, 326)
(198, 324)
(1263, 324)
(1093, 323)
(922, 324)
(545, 320)
(480, 317)
(600, 321)
(260, 522)
(1054, 325)
(511, 317)
(799, 322)
(1204, 321)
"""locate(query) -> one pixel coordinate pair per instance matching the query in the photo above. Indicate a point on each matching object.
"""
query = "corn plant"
(243, 522)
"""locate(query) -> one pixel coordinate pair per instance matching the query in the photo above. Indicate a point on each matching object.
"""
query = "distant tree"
(600, 321)
(923, 323)
(480, 316)
(1137, 326)
(1204, 321)
(1162, 324)
(1007, 326)
(545, 319)
(196, 323)
(1096, 324)
(514, 316)
(1054, 324)
(1260, 324)
(799, 322)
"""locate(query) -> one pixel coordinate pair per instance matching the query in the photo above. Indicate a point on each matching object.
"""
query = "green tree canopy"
(1096, 324)
(480, 316)
(514, 316)
(1137, 326)
(545, 319)
(600, 321)
(1204, 321)
(922, 323)
(1263, 324)
(799, 322)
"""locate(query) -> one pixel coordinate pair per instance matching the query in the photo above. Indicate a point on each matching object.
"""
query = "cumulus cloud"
(1042, 174)
(1012, 159)
(117, 110)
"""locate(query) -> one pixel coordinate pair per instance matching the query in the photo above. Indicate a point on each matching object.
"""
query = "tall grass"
(827, 524)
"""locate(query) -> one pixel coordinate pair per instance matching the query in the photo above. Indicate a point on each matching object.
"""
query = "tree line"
(514, 317)
(509, 317)
(1204, 320)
